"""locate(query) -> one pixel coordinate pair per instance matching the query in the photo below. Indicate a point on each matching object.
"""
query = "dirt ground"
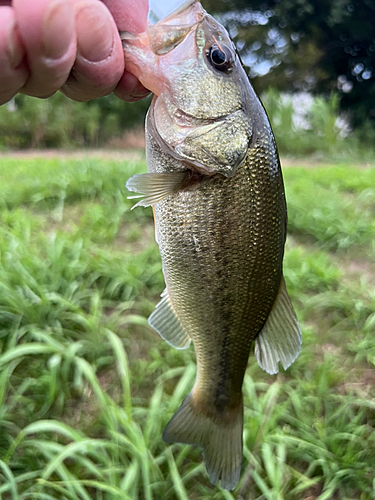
(116, 154)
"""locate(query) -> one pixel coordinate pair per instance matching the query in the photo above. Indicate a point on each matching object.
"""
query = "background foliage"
(28, 122)
(310, 45)
(302, 124)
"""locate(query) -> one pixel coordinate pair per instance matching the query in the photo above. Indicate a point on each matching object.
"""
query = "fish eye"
(220, 57)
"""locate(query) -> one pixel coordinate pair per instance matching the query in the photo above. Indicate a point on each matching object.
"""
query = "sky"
(161, 8)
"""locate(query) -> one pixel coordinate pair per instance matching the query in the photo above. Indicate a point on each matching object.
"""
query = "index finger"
(129, 15)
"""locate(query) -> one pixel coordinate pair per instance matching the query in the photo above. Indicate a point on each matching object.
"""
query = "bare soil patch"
(78, 154)
(356, 267)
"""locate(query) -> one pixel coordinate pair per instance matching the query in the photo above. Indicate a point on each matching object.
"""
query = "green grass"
(86, 387)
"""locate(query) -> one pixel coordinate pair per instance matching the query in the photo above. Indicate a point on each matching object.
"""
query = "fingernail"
(58, 29)
(15, 49)
(95, 33)
(137, 94)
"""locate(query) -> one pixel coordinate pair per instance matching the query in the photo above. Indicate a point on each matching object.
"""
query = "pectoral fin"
(280, 338)
(156, 187)
(166, 322)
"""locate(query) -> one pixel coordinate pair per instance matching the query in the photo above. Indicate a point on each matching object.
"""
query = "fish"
(215, 183)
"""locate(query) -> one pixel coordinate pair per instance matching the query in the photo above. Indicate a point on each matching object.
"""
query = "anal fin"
(280, 338)
(166, 322)
(156, 187)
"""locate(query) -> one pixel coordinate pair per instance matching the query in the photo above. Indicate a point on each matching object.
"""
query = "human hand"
(68, 45)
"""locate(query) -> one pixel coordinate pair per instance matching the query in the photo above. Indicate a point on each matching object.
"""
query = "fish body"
(215, 182)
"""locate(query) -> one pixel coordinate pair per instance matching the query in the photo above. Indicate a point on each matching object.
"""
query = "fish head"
(199, 110)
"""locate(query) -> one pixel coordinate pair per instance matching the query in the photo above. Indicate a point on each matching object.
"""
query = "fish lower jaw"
(175, 131)
(193, 166)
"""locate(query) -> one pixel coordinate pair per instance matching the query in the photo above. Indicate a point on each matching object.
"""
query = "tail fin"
(221, 441)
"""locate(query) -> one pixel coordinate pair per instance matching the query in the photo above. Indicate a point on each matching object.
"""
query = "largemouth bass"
(215, 183)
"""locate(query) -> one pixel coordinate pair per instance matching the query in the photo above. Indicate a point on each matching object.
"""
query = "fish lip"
(188, 15)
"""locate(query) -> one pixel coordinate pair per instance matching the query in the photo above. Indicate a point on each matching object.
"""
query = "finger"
(14, 72)
(100, 61)
(130, 88)
(47, 30)
(130, 15)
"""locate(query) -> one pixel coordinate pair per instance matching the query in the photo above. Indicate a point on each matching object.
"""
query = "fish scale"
(215, 183)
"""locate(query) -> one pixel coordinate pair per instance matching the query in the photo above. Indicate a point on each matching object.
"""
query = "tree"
(315, 45)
